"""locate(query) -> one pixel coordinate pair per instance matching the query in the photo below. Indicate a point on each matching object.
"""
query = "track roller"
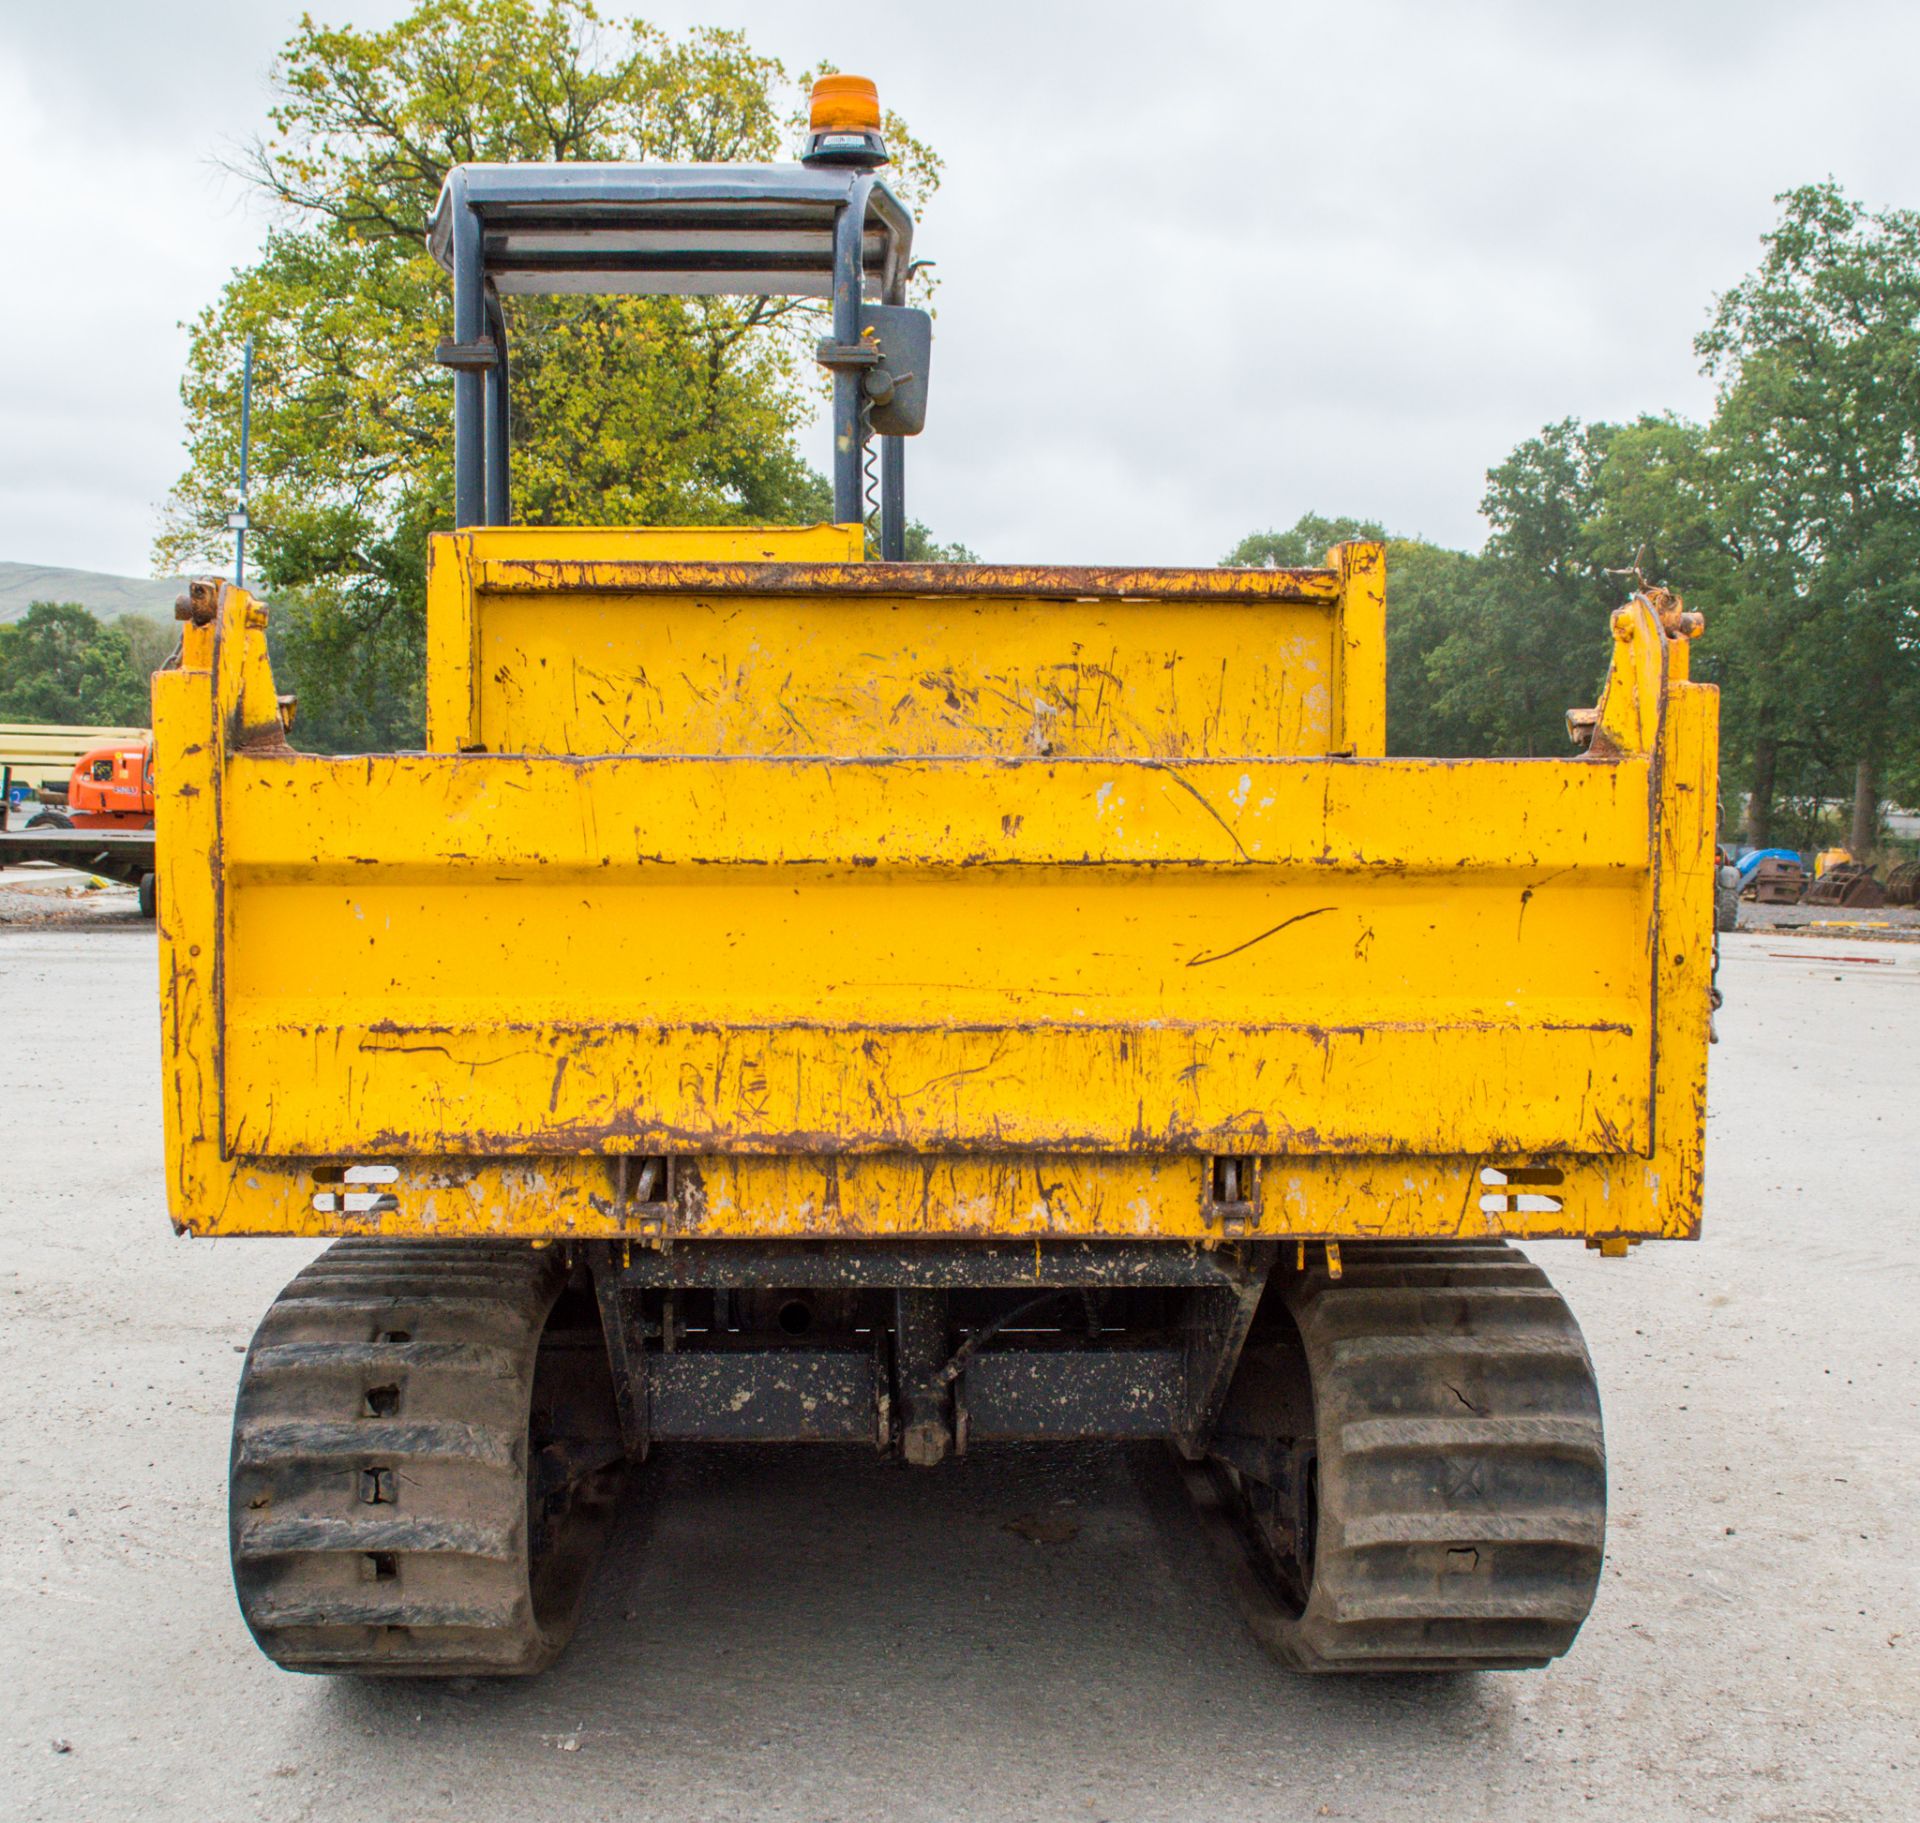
(426, 1460)
(1410, 1473)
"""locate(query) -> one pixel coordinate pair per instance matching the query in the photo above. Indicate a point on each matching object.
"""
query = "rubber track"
(1462, 1466)
(378, 1482)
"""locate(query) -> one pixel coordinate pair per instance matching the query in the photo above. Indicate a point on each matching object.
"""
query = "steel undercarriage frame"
(924, 1347)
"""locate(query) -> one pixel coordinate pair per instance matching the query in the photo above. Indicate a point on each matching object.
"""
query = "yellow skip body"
(747, 890)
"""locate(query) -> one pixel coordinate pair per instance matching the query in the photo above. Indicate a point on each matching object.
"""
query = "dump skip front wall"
(908, 900)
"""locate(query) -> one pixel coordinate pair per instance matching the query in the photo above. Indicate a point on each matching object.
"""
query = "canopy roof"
(686, 230)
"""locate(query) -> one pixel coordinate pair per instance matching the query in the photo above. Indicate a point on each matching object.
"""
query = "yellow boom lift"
(908, 1005)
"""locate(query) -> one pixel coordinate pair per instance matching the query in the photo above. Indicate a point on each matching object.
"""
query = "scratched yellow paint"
(459, 622)
(914, 969)
(725, 675)
(545, 653)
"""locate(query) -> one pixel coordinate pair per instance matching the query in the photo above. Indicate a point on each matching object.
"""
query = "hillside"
(22, 584)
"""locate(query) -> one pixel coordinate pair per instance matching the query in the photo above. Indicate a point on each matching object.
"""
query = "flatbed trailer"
(115, 854)
(802, 998)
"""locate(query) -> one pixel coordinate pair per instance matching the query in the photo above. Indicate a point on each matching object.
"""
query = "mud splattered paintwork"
(924, 900)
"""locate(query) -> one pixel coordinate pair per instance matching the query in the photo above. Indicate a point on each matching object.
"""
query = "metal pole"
(469, 383)
(849, 438)
(893, 456)
(246, 439)
(926, 1403)
(893, 499)
(499, 426)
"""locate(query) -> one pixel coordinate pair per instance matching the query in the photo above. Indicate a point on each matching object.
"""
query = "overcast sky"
(1204, 266)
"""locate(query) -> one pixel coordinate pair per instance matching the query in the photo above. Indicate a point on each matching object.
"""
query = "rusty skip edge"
(866, 581)
(1027, 1198)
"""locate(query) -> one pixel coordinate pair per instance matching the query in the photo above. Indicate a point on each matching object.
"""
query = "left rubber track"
(426, 1461)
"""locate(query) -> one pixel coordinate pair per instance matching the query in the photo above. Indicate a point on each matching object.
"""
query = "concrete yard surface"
(40, 897)
(1029, 1634)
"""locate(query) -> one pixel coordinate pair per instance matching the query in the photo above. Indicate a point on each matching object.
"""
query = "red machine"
(111, 788)
(105, 826)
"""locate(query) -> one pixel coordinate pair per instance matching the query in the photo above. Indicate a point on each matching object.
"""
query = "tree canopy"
(1301, 545)
(1816, 457)
(59, 664)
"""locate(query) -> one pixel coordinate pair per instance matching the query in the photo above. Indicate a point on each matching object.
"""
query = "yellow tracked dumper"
(798, 997)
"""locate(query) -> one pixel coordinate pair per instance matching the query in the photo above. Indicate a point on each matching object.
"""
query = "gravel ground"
(1897, 923)
(39, 897)
(1031, 1634)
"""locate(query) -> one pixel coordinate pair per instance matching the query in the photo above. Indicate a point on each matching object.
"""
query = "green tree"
(59, 664)
(1654, 518)
(1486, 652)
(1816, 441)
(150, 642)
(920, 546)
(1580, 516)
(1529, 639)
(1302, 546)
(1430, 591)
(353, 644)
(626, 410)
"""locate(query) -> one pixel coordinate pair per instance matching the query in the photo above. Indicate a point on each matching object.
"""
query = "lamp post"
(237, 520)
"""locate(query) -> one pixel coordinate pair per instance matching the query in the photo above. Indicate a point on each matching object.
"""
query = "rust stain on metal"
(509, 575)
(882, 989)
(1319, 911)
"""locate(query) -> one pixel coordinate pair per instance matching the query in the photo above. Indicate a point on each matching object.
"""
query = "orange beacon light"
(843, 123)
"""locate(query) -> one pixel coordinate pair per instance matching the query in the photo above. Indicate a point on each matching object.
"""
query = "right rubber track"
(379, 1487)
(1461, 1466)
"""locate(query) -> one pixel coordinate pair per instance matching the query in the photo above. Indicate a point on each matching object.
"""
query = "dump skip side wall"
(926, 901)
